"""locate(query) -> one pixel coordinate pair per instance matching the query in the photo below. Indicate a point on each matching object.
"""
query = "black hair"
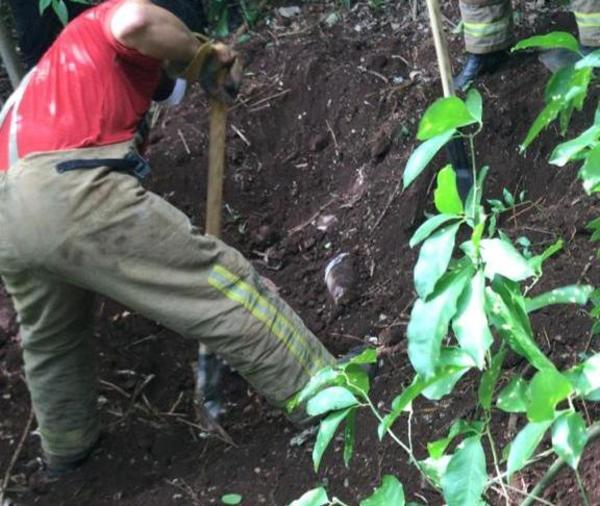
(186, 11)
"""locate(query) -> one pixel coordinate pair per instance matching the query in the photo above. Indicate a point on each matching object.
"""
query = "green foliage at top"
(60, 8)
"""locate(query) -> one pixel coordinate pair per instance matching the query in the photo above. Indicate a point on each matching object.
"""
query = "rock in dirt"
(340, 278)
(319, 142)
(289, 12)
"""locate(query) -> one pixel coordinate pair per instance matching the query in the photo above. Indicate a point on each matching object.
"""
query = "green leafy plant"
(567, 89)
(60, 8)
(472, 309)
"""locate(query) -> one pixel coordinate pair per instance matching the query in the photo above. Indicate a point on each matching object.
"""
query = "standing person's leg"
(488, 32)
(587, 15)
(105, 233)
(55, 328)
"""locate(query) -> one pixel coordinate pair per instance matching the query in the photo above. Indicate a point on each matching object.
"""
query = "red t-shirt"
(87, 90)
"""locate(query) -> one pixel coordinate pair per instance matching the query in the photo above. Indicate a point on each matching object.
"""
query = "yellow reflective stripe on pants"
(485, 29)
(243, 293)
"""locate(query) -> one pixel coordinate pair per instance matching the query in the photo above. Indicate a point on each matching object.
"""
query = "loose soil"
(326, 121)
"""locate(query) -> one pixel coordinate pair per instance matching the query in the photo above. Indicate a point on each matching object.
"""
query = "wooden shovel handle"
(216, 167)
(441, 48)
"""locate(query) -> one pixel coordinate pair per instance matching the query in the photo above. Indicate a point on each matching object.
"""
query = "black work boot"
(477, 65)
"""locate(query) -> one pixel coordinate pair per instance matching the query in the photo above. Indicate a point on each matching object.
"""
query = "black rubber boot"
(477, 65)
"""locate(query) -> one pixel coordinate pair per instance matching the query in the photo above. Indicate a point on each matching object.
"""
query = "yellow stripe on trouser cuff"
(486, 29)
(588, 19)
(234, 288)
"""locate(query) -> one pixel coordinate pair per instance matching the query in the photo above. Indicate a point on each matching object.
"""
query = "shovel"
(210, 368)
(455, 148)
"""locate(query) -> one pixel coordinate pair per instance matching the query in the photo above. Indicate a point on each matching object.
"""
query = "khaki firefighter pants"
(64, 237)
(488, 24)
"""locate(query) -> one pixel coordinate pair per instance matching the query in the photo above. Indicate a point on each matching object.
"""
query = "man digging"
(76, 221)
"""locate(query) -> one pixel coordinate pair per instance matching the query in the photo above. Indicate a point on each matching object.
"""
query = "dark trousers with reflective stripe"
(488, 24)
(68, 236)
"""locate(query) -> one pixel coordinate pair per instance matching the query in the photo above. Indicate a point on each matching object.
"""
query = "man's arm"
(153, 31)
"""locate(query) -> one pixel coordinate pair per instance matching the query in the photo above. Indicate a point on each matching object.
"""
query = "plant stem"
(582, 492)
(593, 434)
(474, 171)
(408, 450)
(496, 462)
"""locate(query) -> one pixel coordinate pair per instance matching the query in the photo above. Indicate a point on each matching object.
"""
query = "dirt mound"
(316, 150)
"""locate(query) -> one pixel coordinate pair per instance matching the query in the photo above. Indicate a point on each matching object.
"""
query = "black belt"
(132, 163)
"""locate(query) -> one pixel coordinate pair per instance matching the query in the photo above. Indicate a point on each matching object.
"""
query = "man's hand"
(219, 70)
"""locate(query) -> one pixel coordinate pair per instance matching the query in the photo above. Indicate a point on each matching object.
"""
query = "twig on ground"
(586, 268)
(15, 456)
(528, 207)
(305, 224)
(223, 436)
(391, 199)
(114, 387)
(373, 73)
(185, 144)
(184, 487)
(335, 143)
(140, 341)
(268, 99)
(175, 404)
(240, 135)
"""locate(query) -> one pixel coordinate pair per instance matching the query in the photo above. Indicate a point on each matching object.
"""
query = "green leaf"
(466, 475)
(569, 437)
(585, 377)
(573, 294)
(547, 116)
(450, 359)
(315, 497)
(430, 226)
(61, 11)
(327, 430)
(474, 104)
(324, 378)
(429, 321)
(506, 310)
(546, 389)
(389, 493)
(590, 171)
(489, 379)
(501, 257)
(435, 469)
(357, 379)
(418, 385)
(44, 5)
(444, 114)
(470, 325)
(231, 499)
(331, 399)
(434, 258)
(513, 397)
(349, 436)
(445, 196)
(524, 445)
(437, 448)
(590, 60)
(420, 157)
(567, 151)
(551, 40)
(367, 356)
(538, 261)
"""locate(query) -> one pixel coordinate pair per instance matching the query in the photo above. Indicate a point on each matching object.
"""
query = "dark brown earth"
(321, 129)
